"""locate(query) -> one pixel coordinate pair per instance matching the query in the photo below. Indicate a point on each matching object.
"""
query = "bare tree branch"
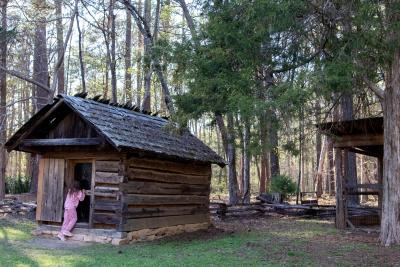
(374, 88)
(61, 59)
(25, 78)
(189, 20)
(146, 32)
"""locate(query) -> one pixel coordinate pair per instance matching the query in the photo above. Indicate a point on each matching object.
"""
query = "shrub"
(17, 185)
(283, 184)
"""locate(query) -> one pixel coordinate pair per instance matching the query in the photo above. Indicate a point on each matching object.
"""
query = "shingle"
(127, 129)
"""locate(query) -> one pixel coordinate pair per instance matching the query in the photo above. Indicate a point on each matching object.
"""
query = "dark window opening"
(83, 174)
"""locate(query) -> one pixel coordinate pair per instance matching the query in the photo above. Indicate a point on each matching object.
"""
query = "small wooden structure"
(143, 180)
(362, 136)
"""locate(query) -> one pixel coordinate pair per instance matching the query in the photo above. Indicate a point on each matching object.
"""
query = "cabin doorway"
(83, 174)
(81, 171)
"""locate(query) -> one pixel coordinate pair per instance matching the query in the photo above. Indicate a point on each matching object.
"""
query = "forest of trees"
(250, 78)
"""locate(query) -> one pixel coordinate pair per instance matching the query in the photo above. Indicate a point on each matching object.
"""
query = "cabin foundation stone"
(120, 238)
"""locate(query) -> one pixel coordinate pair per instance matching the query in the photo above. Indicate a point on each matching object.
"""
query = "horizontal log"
(62, 142)
(108, 177)
(170, 166)
(141, 174)
(157, 222)
(355, 193)
(140, 187)
(358, 140)
(106, 218)
(134, 212)
(105, 189)
(366, 186)
(135, 199)
(107, 166)
(102, 194)
(107, 205)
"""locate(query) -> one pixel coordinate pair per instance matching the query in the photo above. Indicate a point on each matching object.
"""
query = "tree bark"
(330, 176)
(274, 143)
(60, 47)
(390, 222)
(139, 66)
(3, 95)
(246, 162)
(320, 167)
(228, 140)
(40, 62)
(146, 104)
(350, 157)
(113, 67)
(40, 75)
(81, 61)
(128, 56)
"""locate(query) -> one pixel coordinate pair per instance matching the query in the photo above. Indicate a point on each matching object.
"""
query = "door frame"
(70, 172)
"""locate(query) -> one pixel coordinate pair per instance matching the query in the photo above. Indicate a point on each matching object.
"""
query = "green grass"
(280, 243)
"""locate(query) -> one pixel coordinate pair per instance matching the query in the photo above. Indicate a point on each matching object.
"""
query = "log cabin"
(143, 180)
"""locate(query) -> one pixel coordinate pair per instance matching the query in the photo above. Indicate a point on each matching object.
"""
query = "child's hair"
(75, 187)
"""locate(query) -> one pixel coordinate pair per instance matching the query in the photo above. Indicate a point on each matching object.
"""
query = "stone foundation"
(118, 238)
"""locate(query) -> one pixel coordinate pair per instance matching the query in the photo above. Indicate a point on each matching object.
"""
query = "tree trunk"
(228, 140)
(246, 162)
(273, 142)
(330, 176)
(390, 223)
(146, 104)
(3, 95)
(60, 47)
(40, 62)
(81, 62)
(349, 157)
(139, 66)
(40, 74)
(113, 67)
(320, 167)
(128, 56)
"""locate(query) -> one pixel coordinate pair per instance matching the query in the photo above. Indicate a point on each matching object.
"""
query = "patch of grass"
(281, 243)
(15, 230)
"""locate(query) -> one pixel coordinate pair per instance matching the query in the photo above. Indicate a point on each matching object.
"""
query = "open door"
(50, 195)
(83, 174)
(81, 171)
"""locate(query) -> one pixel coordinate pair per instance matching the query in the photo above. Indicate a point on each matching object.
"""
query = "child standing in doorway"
(75, 194)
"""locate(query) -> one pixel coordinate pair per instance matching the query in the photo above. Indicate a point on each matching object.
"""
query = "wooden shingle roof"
(127, 130)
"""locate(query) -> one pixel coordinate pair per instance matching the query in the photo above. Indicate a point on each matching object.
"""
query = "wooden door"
(50, 195)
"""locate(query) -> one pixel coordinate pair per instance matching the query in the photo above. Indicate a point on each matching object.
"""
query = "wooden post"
(340, 221)
(380, 178)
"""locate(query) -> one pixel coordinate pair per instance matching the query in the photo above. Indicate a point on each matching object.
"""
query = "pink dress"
(70, 216)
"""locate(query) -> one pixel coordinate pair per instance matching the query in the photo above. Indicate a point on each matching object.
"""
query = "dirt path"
(52, 243)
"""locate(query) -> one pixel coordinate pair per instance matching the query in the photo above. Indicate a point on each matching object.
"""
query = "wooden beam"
(347, 141)
(340, 220)
(137, 199)
(157, 222)
(33, 127)
(62, 142)
(366, 186)
(367, 152)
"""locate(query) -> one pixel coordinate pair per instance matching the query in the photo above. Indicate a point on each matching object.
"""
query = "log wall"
(106, 200)
(159, 193)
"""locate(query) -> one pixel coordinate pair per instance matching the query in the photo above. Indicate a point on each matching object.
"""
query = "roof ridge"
(133, 109)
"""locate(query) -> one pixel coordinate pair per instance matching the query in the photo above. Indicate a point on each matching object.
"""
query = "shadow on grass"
(10, 254)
